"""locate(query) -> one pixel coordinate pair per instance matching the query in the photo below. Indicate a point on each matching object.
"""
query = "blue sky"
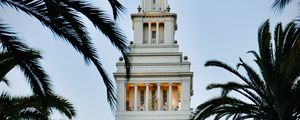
(207, 29)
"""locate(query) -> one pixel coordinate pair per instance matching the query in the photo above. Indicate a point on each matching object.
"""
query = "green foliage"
(279, 5)
(274, 94)
(31, 107)
(38, 106)
(16, 53)
(64, 19)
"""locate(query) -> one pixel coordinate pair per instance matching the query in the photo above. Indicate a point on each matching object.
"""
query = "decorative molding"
(155, 46)
(157, 54)
(156, 64)
(154, 15)
(160, 74)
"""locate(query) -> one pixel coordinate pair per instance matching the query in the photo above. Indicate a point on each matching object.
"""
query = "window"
(145, 33)
(153, 34)
(165, 97)
(161, 33)
(153, 100)
(153, 94)
(142, 97)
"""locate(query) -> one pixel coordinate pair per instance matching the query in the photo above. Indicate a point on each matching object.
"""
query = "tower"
(160, 87)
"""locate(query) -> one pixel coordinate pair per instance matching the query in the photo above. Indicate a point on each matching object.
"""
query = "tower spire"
(154, 5)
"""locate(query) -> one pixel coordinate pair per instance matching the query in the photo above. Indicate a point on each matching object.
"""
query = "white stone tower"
(160, 87)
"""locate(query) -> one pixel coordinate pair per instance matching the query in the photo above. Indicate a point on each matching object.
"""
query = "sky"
(207, 30)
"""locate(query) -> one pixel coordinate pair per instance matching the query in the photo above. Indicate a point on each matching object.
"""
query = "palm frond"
(71, 34)
(101, 21)
(289, 34)
(107, 27)
(7, 63)
(223, 105)
(292, 55)
(243, 89)
(63, 106)
(6, 81)
(27, 59)
(6, 106)
(265, 51)
(257, 84)
(226, 88)
(226, 67)
(117, 8)
(63, 19)
(54, 102)
(272, 93)
(31, 113)
(279, 5)
(279, 42)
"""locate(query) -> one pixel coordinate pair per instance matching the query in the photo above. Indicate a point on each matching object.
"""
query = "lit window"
(142, 97)
(153, 94)
(165, 97)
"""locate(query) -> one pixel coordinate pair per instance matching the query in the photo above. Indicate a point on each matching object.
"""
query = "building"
(160, 87)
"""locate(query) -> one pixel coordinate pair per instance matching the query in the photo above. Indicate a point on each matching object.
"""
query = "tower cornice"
(154, 14)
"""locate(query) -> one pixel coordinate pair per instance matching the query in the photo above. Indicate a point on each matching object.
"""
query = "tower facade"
(160, 87)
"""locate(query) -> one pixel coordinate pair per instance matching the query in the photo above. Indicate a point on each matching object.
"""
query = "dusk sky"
(207, 29)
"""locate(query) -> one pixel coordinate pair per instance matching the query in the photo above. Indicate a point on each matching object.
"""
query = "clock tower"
(160, 87)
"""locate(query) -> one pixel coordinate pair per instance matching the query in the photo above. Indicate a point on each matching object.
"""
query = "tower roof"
(154, 6)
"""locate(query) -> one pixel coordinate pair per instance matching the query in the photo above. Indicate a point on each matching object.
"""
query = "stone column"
(170, 96)
(168, 32)
(135, 96)
(121, 93)
(149, 33)
(163, 5)
(158, 97)
(138, 31)
(157, 32)
(185, 96)
(144, 5)
(147, 96)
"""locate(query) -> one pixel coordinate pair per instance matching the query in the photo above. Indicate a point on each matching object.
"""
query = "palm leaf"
(275, 95)
(73, 32)
(5, 81)
(54, 102)
(7, 63)
(27, 59)
(31, 107)
(117, 7)
(265, 51)
(31, 114)
(5, 105)
(279, 5)
(226, 67)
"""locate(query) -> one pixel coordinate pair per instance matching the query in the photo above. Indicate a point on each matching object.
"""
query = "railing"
(143, 108)
(146, 41)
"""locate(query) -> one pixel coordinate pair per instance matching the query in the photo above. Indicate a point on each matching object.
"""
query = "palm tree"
(15, 53)
(33, 107)
(63, 18)
(274, 94)
(30, 107)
